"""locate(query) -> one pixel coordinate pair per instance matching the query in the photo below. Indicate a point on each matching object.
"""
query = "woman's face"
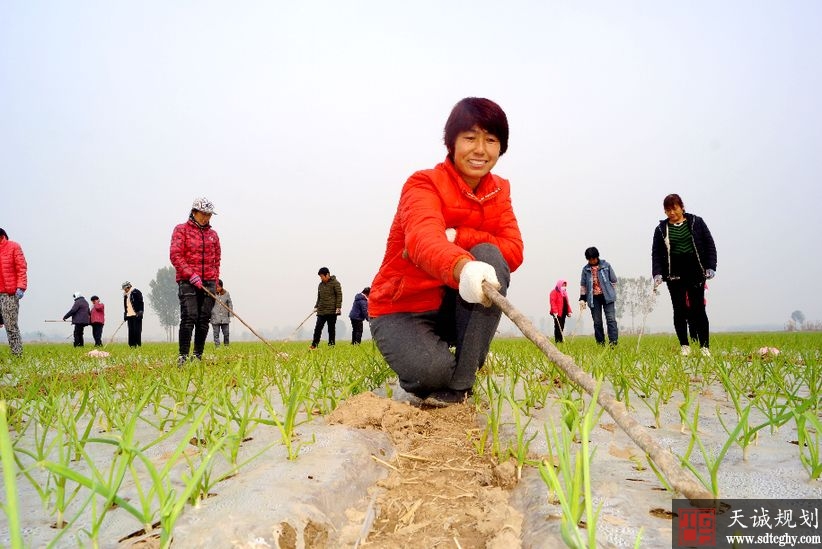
(675, 213)
(475, 153)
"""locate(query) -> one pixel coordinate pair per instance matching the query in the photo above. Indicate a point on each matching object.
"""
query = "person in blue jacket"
(359, 314)
(597, 290)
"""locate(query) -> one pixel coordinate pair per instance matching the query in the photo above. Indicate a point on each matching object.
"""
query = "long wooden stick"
(227, 308)
(668, 464)
(297, 329)
(111, 339)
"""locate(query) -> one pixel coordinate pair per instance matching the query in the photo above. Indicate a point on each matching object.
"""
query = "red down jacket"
(195, 250)
(419, 261)
(12, 267)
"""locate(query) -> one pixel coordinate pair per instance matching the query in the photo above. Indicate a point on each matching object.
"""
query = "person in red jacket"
(560, 308)
(13, 284)
(195, 254)
(98, 319)
(454, 229)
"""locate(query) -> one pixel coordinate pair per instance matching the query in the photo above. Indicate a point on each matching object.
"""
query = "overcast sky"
(302, 120)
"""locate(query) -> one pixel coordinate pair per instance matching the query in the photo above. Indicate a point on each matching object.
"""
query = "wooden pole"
(668, 464)
(227, 308)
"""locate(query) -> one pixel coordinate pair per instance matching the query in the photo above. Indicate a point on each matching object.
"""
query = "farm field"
(282, 447)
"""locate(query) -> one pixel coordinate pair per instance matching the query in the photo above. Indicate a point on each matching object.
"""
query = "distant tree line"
(798, 323)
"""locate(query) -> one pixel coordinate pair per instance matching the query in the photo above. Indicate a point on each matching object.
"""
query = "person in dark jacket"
(358, 314)
(683, 254)
(98, 319)
(327, 307)
(133, 313)
(80, 315)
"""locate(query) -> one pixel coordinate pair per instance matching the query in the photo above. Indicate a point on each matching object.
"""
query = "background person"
(683, 254)
(133, 314)
(98, 319)
(560, 308)
(597, 290)
(220, 316)
(80, 315)
(358, 315)
(195, 253)
(327, 307)
(453, 229)
(13, 285)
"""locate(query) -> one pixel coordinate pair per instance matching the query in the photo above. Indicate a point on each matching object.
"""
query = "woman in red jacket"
(454, 228)
(195, 254)
(560, 308)
(13, 284)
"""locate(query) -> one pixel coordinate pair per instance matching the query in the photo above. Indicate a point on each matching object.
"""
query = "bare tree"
(164, 301)
(798, 317)
(636, 297)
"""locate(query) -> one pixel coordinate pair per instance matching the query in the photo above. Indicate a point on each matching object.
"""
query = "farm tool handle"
(115, 333)
(665, 460)
(227, 308)
(297, 329)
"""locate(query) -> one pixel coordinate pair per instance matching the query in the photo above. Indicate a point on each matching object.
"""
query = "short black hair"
(476, 111)
(3, 234)
(323, 271)
(592, 253)
(94, 298)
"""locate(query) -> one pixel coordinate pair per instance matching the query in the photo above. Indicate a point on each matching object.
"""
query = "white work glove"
(582, 305)
(657, 281)
(451, 234)
(473, 274)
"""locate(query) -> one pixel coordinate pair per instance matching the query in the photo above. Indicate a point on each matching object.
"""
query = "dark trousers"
(135, 331)
(78, 334)
(97, 333)
(195, 315)
(559, 327)
(691, 312)
(318, 329)
(356, 331)
(417, 346)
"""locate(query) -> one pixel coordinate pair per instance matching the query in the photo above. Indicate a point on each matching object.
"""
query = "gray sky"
(302, 120)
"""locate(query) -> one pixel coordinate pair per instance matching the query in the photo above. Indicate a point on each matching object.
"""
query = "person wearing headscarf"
(560, 308)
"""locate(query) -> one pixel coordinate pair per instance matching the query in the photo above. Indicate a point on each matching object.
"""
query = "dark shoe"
(446, 397)
(181, 361)
(312, 348)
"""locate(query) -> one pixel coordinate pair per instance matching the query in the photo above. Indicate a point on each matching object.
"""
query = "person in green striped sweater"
(684, 255)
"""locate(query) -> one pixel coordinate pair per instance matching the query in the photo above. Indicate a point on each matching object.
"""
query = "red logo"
(697, 527)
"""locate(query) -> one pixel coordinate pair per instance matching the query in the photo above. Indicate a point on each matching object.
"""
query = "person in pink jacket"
(560, 308)
(98, 319)
(195, 253)
(13, 285)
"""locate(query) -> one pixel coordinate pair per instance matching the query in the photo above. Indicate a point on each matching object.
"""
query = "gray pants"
(217, 328)
(417, 345)
(10, 307)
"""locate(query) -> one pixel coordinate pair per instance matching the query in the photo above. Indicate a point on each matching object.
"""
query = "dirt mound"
(440, 489)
